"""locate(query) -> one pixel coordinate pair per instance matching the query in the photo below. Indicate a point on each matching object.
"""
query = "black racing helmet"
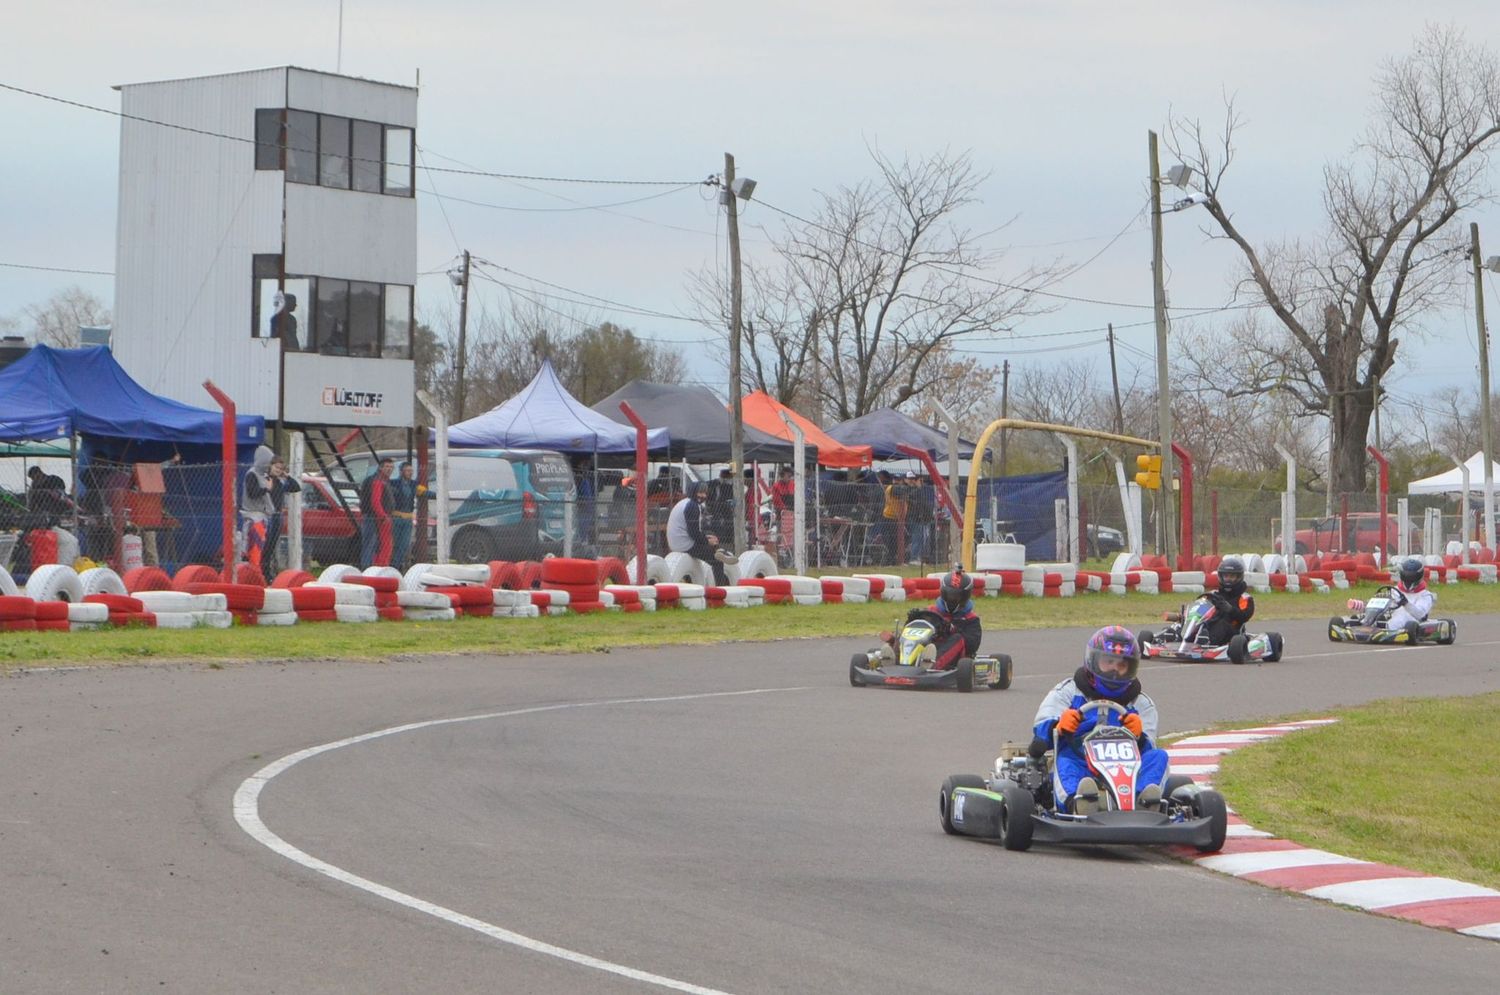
(958, 588)
(1231, 573)
(1412, 573)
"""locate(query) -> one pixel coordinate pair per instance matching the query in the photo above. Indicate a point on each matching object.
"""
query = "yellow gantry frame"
(971, 494)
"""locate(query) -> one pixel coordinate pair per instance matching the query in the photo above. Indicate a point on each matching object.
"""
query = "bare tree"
(1388, 249)
(56, 321)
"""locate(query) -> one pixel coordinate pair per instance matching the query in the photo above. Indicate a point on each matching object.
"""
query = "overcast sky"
(1054, 100)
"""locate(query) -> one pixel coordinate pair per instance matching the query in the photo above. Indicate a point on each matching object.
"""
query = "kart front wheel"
(1333, 628)
(1239, 645)
(1210, 805)
(1413, 633)
(945, 798)
(1015, 816)
(1005, 669)
(1274, 638)
(965, 675)
(855, 662)
(1145, 636)
(1449, 632)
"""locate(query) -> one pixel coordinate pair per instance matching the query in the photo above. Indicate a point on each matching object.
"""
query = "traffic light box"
(1149, 476)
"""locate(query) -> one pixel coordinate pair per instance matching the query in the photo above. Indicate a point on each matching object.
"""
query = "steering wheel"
(1103, 703)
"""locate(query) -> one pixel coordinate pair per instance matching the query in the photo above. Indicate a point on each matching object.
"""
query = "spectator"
(585, 493)
(894, 514)
(919, 501)
(256, 506)
(376, 503)
(783, 502)
(47, 496)
(404, 492)
(282, 484)
(284, 321)
(721, 505)
(685, 532)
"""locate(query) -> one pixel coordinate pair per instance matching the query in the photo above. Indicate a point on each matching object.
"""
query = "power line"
(561, 210)
(643, 311)
(534, 178)
(58, 269)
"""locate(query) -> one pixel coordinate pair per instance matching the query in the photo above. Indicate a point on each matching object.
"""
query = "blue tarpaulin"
(1025, 505)
(545, 416)
(58, 393)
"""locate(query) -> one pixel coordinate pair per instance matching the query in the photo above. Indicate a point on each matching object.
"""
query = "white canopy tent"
(1452, 481)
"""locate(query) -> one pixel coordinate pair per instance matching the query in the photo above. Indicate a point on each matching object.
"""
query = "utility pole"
(736, 391)
(1375, 403)
(1484, 396)
(1163, 394)
(463, 333)
(1004, 412)
(1114, 378)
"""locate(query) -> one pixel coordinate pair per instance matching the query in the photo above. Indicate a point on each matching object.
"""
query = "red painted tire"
(467, 597)
(147, 579)
(624, 597)
(314, 599)
(632, 606)
(585, 607)
(317, 616)
(18, 625)
(17, 608)
(384, 585)
(195, 573)
(54, 624)
(142, 620)
(612, 570)
(247, 618)
(576, 592)
(389, 599)
(116, 603)
(391, 614)
(51, 611)
(292, 579)
(249, 575)
(478, 611)
(241, 597)
(562, 570)
(771, 585)
(528, 575)
(505, 576)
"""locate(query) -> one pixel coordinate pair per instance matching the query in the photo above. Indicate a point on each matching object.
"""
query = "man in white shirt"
(685, 532)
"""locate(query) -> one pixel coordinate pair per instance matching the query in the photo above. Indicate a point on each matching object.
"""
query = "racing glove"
(1068, 721)
(1132, 721)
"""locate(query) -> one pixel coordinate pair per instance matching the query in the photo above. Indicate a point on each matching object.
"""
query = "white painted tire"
(356, 613)
(54, 582)
(383, 572)
(1255, 564)
(463, 573)
(278, 601)
(999, 556)
(1299, 562)
(433, 600)
(7, 584)
(655, 570)
(1124, 563)
(1274, 563)
(175, 620)
(336, 573)
(82, 612)
(214, 619)
(412, 579)
(276, 618)
(210, 603)
(682, 568)
(351, 595)
(429, 614)
(165, 602)
(809, 586)
(807, 599)
(693, 604)
(893, 594)
(101, 580)
(857, 586)
(856, 599)
(606, 599)
(756, 563)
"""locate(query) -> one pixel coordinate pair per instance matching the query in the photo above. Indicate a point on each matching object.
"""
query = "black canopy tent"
(697, 421)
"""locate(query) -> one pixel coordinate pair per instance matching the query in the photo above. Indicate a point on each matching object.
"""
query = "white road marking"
(247, 814)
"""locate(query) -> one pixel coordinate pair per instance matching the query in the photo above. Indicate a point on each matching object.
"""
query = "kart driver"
(1108, 672)
(1232, 602)
(1414, 602)
(959, 629)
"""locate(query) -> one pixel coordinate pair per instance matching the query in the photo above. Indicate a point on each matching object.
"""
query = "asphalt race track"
(780, 841)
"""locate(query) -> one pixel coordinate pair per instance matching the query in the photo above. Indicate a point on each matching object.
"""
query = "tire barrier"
(336, 573)
(194, 574)
(7, 584)
(54, 582)
(148, 579)
(682, 568)
(292, 579)
(101, 580)
(756, 563)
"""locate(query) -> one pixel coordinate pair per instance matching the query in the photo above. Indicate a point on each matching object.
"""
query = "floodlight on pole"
(743, 187)
(1492, 264)
(1179, 175)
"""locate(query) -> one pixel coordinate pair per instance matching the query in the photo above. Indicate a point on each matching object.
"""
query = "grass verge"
(600, 633)
(1406, 782)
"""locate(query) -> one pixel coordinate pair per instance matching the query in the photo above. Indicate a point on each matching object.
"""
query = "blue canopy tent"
(545, 416)
(66, 393)
(886, 430)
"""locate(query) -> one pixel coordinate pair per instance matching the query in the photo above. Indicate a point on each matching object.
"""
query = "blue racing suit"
(1070, 766)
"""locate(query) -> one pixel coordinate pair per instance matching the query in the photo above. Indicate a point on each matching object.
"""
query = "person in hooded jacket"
(1233, 601)
(1414, 601)
(1108, 673)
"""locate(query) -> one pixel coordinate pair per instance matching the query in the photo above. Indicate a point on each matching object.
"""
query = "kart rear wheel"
(945, 798)
(1145, 636)
(1274, 638)
(1333, 628)
(965, 675)
(1005, 669)
(1238, 647)
(855, 662)
(1413, 633)
(1210, 805)
(1015, 816)
(1449, 632)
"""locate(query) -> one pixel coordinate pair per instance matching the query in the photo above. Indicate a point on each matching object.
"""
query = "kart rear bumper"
(1127, 828)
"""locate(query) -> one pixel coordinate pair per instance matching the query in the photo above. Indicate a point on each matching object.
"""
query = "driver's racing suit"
(959, 634)
(1070, 766)
(1412, 606)
(1233, 608)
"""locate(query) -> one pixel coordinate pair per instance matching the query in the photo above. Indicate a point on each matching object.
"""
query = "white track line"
(247, 814)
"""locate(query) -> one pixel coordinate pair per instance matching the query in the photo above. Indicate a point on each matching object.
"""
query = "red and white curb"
(1383, 889)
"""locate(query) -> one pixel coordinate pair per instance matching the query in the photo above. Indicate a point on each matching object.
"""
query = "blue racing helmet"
(1112, 658)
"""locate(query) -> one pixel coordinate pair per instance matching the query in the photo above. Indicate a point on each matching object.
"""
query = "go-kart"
(1370, 623)
(1187, 638)
(909, 662)
(1015, 804)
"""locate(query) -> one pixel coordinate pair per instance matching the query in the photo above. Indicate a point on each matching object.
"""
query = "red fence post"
(1213, 505)
(939, 487)
(640, 491)
(1385, 487)
(1185, 545)
(230, 463)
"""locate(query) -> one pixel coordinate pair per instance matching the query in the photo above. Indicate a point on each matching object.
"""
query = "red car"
(328, 536)
(1329, 535)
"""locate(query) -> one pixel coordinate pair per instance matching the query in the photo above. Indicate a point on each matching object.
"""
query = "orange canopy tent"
(764, 412)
